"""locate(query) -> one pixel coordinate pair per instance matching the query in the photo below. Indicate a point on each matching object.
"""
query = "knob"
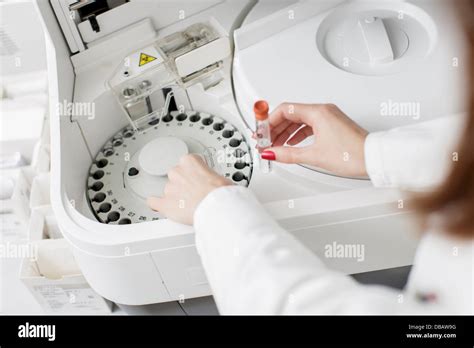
(372, 41)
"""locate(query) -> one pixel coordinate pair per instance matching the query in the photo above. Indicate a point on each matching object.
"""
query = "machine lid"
(376, 60)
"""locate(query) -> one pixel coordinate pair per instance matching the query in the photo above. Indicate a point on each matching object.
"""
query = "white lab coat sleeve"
(256, 267)
(413, 157)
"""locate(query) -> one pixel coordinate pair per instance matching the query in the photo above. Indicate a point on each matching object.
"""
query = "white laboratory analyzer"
(136, 84)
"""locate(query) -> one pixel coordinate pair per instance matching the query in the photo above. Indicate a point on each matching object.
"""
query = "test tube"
(262, 133)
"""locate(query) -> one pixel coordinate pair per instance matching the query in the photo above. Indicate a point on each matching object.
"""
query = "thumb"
(286, 154)
(155, 203)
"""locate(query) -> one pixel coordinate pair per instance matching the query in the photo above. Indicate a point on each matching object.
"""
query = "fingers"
(192, 159)
(296, 113)
(175, 174)
(172, 189)
(155, 203)
(189, 182)
(165, 206)
(190, 164)
(278, 129)
(300, 135)
(284, 135)
(287, 154)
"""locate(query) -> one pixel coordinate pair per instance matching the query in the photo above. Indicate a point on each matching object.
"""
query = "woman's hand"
(189, 183)
(338, 145)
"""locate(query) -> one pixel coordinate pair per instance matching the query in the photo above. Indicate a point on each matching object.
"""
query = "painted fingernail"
(268, 155)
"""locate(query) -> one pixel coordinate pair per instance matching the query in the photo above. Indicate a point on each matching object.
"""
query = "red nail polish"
(268, 155)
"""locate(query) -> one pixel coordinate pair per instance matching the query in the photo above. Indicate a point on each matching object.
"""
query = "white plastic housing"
(157, 261)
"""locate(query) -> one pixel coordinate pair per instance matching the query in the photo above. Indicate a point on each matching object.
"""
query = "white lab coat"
(256, 267)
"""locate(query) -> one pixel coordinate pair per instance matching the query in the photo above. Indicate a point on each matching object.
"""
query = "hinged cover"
(148, 76)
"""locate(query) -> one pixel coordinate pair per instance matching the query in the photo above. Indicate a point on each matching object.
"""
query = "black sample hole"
(181, 117)
(207, 121)
(99, 197)
(108, 152)
(234, 142)
(127, 133)
(218, 126)
(98, 174)
(133, 171)
(240, 165)
(105, 207)
(97, 186)
(228, 133)
(239, 153)
(154, 122)
(125, 221)
(102, 163)
(113, 216)
(238, 176)
(117, 142)
(168, 118)
(195, 118)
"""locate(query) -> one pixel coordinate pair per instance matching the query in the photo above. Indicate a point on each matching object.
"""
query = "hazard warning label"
(145, 59)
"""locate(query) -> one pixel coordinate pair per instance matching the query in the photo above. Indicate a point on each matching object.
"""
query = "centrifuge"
(139, 83)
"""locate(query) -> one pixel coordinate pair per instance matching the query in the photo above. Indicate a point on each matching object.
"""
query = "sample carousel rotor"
(133, 164)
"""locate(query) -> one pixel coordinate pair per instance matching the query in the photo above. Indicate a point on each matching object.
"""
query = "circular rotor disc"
(126, 172)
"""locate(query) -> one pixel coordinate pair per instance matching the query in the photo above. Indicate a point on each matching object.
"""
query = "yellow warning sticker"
(145, 59)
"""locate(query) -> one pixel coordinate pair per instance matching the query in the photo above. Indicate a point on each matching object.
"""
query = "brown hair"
(453, 200)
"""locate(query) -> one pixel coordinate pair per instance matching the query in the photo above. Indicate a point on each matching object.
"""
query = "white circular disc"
(161, 154)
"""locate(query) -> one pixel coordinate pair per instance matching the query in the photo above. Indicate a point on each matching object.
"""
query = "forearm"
(250, 261)
(413, 157)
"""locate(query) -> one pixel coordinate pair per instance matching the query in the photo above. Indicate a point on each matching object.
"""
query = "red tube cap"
(260, 108)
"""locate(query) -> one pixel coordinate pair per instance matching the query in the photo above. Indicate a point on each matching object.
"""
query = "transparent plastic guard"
(144, 91)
